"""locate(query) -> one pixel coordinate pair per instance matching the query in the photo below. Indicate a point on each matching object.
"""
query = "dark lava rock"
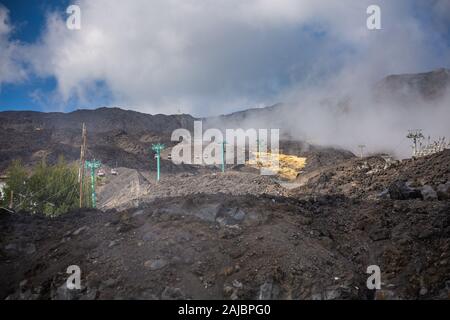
(443, 191)
(399, 190)
(428, 193)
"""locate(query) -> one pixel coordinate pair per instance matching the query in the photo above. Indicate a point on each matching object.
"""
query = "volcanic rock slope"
(200, 233)
(370, 177)
(116, 137)
(267, 243)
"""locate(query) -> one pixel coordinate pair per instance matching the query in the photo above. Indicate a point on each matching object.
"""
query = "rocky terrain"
(242, 236)
(132, 188)
(199, 233)
(116, 137)
(232, 247)
(378, 177)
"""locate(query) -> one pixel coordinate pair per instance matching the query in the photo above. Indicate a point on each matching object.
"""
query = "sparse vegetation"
(48, 189)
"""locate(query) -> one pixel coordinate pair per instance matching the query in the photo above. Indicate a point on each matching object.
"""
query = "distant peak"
(421, 74)
(430, 85)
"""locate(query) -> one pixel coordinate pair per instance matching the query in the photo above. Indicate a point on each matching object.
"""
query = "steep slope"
(369, 177)
(115, 136)
(97, 121)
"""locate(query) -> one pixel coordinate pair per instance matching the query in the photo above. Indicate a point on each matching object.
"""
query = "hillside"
(200, 233)
(237, 236)
(116, 137)
(123, 137)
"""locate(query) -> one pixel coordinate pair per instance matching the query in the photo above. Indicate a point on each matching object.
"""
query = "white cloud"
(211, 57)
(11, 68)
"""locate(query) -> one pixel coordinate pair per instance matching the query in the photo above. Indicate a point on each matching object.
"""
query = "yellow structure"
(289, 165)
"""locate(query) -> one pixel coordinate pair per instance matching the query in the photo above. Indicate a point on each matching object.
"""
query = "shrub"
(51, 190)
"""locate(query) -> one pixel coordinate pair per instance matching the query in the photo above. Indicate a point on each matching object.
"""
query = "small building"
(101, 173)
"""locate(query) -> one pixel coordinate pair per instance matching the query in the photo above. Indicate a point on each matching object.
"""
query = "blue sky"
(205, 58)
(28, 18)
(28, 23)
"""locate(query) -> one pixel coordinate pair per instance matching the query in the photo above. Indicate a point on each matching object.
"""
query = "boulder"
(155, 264)
(443, 191)
(79, 230)
(385, 295)
(170, 293)
(428, 193)
(384, 194)
(64, 293)
(268, 291)
(400, 190)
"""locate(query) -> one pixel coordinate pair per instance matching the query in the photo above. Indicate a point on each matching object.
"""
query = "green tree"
(52, 190)
(16, 182)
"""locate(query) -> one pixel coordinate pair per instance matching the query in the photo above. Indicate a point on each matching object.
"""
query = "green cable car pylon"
(93, 165)
(158, 147)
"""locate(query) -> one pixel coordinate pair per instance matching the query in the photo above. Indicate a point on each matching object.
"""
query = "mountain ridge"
(116, 134)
